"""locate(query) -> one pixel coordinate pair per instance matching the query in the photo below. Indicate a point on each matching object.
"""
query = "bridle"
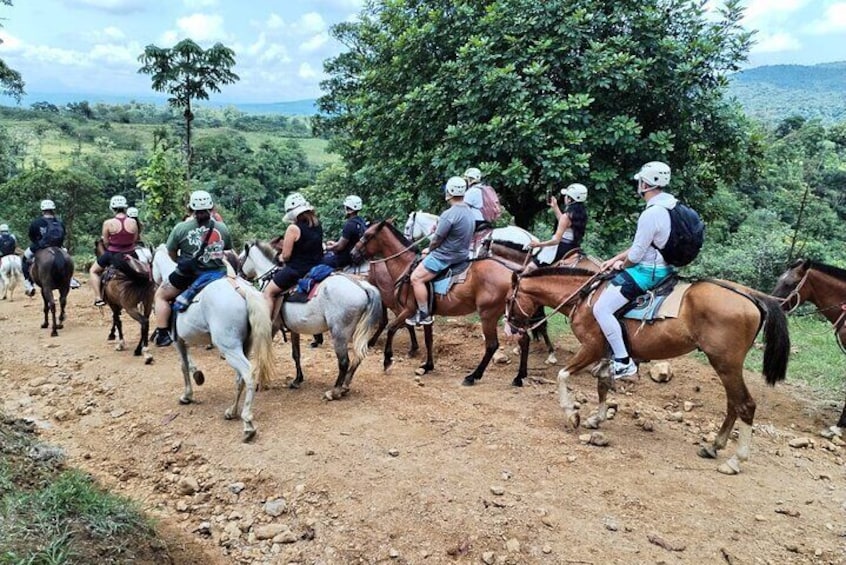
(262, 279)
(362, 243)
(512, 300)
(795, 293)
(795, 296)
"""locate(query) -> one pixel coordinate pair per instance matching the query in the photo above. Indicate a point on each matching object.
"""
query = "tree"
(162, 182)
(11, 81)
(187, 72)
(536, 94)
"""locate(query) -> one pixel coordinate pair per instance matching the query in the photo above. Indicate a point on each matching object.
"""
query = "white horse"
(11, 276)
(233, 316)
(348, 308)
(421, 224)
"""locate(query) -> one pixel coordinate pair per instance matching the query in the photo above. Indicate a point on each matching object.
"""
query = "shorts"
(110, 258)
(286, 277)
(636, 280)
(433, 264)
(564, 247)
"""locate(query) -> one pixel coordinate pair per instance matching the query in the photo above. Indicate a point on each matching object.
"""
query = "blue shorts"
(636, 280)
(433, 264)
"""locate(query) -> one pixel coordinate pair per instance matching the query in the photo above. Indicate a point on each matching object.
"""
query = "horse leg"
(188, 393)
(46, 300)
(144, 341)
(234, 355)
(551, 359)
(589, 352)
(63, 302)
(388, 359)
(343, 355)
(429, 364)
(491, 345)
(523, 370)
(295, 353)
(382, 323)
(118, 325)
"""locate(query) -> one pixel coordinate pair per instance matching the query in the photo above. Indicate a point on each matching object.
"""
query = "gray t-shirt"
(455, 228)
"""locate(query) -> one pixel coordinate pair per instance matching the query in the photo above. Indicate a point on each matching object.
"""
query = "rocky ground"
(429, 471)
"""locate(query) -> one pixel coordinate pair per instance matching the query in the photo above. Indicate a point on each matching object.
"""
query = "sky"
(92, 46)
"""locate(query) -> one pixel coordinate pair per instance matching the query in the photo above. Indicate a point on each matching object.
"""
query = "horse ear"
(391, 220)
(514, 279)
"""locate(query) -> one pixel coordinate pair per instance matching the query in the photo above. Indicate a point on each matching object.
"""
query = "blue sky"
(91, 46)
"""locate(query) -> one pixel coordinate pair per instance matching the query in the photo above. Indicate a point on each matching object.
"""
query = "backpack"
(491, 210)
(687, 233)
(7, 244)
(315, 275)
(54, 234)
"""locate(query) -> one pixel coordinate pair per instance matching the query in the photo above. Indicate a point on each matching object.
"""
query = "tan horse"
(484, 291)
(823, 286)
(720, 318)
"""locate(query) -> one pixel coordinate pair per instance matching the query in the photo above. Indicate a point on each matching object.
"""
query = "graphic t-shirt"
(187, 238)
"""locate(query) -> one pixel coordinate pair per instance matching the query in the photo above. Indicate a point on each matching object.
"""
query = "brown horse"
(52, 270)
(823, 286)
(484, 291)
(130, 289)
(720, 318)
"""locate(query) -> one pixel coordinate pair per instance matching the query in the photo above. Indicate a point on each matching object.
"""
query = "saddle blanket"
(455, 274)
(187, 297)
(650, 307)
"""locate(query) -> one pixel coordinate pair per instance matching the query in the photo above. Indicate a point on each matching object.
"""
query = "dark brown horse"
(720, 318)
(129, 287)
(484, 291)
(823, 286)
(52, 270)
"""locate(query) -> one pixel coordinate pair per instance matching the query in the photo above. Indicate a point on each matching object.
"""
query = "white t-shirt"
(653, 226)
(473, 198)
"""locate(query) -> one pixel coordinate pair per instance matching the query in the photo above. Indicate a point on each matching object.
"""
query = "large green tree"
(11, 81)
(188, 72)
(536, 94)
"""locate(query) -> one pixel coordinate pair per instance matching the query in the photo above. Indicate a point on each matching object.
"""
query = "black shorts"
(286, 277)
(110, 258)
(180, 281)
(628, 287)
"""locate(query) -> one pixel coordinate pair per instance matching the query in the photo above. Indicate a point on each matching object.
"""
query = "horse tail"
(59, 266)
(260, 338)
(369, 320)
(776, 339)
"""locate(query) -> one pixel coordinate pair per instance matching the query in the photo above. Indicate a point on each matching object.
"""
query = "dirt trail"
(433, 472)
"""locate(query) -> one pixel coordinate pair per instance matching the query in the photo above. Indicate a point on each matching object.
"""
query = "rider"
(302, 247)
(475, 201)
(448, 246)
(570, 224)
(338, 252)
(8, 242)
(642, 263)
(119, 235)
(132, 212)
(184, 242)
(45, 231)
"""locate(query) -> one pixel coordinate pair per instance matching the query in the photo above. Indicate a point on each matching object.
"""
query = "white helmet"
(353, 202)
(455, 186)
(4, 228)
(200, 200)
(654, 173)
(296, 204)
(132, 212)
(117, 202)
(578, 192)
(47, 205)
(473, 174)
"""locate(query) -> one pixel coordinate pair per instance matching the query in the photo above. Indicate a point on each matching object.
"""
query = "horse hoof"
(518, 381)
(592, 423)
(184, 401)
(54, 333)
(294, 385)
(248, 436)
(60, 327)
(329, 395)
(574, 420)
(730, 467)
(551, 360)
(148, 360)
(468, 381)
(420, 371)
(136, 353)
(44, 326)
(707, 452)
(110, 338)
(199, 377)
(228, 415)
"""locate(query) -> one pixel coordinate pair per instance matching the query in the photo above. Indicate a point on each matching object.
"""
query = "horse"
(11, 276)
(346, 307)
(131, 290)
(823, 286)
(484, 291)
(720, 318)
(163, 265)
(233, 316)
(52, 270)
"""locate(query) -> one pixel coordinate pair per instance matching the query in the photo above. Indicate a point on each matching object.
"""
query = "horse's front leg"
(144, 342)
(388, 359)
(188, 393)
(63, 303)
(117, 324)
(429, 364)
(491, 345)
(588, 353)
(295, 353)
(46, 299)
(523, 370)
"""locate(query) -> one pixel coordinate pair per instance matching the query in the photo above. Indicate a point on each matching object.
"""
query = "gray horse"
(349, 309)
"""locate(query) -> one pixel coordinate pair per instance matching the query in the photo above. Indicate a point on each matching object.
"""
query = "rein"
(400, 252)
(837, 324)
(513, 299)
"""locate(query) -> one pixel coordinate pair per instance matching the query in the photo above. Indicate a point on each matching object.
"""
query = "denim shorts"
(433, 264)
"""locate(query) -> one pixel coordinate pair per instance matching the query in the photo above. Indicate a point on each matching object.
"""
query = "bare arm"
(105, 232)
(563, 224)
(292, 234)
(339, 245)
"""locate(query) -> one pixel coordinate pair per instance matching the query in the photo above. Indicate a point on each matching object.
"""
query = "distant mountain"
(774, 92)
(292, 108)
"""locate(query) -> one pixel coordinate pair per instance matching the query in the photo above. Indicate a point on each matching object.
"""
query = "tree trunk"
(189, 152)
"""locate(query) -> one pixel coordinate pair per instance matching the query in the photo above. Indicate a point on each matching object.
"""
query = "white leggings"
(609, 302)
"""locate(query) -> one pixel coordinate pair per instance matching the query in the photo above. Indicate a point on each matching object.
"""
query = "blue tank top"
(308, 250)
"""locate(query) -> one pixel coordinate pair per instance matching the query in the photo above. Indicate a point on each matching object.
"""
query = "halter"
(513, 299)
(837, 324)
(794, 294)
(264, 277)
(364, 239)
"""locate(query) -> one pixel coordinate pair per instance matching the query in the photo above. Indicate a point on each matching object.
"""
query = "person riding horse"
(132, 212)
(449, 245)
(8, 241)
(569, 225)
(119, 234)
(338, 252)
(197, 246)
(642, 265)
(45, 231)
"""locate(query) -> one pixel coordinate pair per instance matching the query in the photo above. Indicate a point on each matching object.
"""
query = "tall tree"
(188, 72)
(536, 94)
(11, 82)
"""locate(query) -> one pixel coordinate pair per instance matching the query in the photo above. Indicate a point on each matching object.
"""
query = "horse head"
(791, 283)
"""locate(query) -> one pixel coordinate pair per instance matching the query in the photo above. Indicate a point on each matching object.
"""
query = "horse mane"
(549, 271)
(267, 250)
(398, 234)
(835, 272)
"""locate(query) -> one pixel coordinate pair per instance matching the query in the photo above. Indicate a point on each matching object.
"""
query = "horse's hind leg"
(295, 353)
(188, 394)
(429, 364)
(342, 352)
(491, 345)
(118, 325)
(63, 302)
(234, 354)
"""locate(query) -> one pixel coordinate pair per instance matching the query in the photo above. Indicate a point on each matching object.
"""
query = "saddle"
(660, 302)
(189, 295)
(449, 277)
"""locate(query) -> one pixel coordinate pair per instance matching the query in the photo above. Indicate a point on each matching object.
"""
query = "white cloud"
(775, 43)
(113, 32)
(202, 27)
(255, 48)
(169, 38)
(306, 72)
(111, 53)
(10, 42)
(764, 11)
(275, 21)
(833, 21)
(199, 4)
(315, 42)
(310, 23)
(275, 53)
(111, 6)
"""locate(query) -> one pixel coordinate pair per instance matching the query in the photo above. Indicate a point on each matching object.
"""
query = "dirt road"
(429, 472)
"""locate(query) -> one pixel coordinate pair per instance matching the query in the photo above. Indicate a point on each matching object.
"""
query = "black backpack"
(7, 245)
(54, 234)
(687, 233)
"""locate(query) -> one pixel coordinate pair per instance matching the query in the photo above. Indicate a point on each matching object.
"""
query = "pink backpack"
(491, 209)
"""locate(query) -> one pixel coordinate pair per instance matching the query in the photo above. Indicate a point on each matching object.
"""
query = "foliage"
(11, 81)
(162, 182)
(536, 94)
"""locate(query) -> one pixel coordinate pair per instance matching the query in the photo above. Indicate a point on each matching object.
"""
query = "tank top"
(122, 241)
(308, 249)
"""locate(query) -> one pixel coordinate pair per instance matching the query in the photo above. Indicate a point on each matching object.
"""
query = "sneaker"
(162, 338)
(419, 319)
(99, 303)
(74, 283)
(623, 370)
